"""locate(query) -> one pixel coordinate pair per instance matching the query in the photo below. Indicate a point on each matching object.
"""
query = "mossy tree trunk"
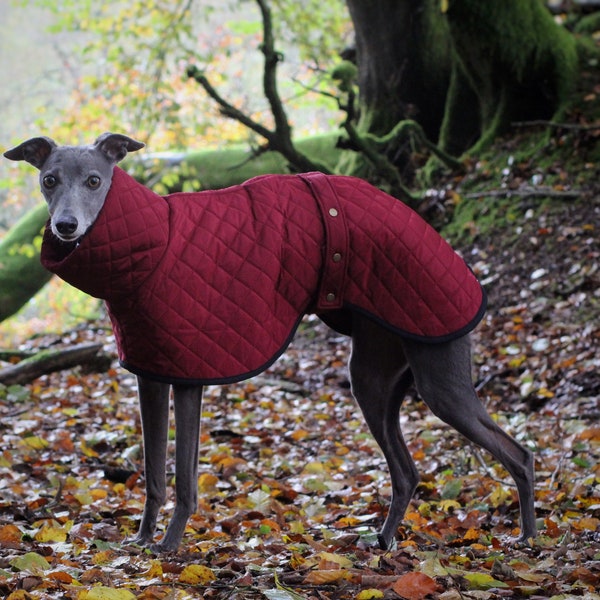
(463, 69)
(518, 63)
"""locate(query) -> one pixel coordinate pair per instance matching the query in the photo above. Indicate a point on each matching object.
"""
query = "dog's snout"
(67, 225)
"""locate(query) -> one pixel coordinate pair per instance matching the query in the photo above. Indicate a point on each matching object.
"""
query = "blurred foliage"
(136, 53)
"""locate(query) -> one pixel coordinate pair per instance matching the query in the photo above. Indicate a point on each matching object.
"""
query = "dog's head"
(74, 179)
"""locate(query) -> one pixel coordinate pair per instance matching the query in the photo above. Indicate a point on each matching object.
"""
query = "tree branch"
(279, 140)
(48, 361)
(272, 58)
(227, 109)
(571, 126)
(383, 166)
(410, 127)
(528, 193)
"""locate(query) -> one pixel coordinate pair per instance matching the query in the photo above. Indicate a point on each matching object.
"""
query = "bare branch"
(570, 126)
(272, 58)
(543, 192)
(279, 140)
(227, 109)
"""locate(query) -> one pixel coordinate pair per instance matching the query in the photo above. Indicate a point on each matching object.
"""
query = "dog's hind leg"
(188, 408)
(380, 378)
(154, 410)
(443, 377)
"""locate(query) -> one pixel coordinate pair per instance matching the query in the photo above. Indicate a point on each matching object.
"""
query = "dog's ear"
(35, 151)
(116, 146)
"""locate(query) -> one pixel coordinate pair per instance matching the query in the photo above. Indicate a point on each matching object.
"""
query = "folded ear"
(35, 151)
(116, 146)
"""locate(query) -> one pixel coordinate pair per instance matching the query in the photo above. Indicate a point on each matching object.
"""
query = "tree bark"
(463, 74)
(404, 63)
(516, 60)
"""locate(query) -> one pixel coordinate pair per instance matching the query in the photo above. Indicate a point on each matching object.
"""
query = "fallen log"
(51, 360)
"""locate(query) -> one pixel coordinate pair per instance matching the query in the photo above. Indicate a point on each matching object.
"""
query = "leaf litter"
(292, 487)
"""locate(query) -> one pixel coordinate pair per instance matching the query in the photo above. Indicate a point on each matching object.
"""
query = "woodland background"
(293, 488)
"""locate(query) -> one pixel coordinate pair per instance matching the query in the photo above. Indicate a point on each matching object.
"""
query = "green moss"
(517, 60)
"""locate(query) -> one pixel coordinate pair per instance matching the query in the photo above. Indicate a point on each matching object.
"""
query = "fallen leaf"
(105, 593)
(32, 562)
(324, 576)
(415, 586)
(10, 534)
(370, 594)
(197, 575)
(482, 581)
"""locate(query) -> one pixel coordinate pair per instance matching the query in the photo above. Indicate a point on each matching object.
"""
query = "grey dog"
(75, 181)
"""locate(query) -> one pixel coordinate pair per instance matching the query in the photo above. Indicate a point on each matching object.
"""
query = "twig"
(380, 162)
(48, 361)
(570, 126)
(227, 109)
(481, 461)
(527, 193)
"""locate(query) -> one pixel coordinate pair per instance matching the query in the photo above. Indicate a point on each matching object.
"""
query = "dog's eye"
(93, 182)
(49, 181)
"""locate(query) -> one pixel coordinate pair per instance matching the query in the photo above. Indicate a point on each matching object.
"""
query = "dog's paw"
(162, 548)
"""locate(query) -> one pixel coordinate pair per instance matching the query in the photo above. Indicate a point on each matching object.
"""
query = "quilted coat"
(209, 287)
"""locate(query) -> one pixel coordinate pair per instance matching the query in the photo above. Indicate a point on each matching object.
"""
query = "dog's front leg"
(188, 407)
(154, 410)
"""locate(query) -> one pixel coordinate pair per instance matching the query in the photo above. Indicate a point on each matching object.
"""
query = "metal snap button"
(337, 257)
(333, 212)
(330, 297)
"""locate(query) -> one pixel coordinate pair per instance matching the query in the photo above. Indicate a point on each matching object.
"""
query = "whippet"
(75, 181)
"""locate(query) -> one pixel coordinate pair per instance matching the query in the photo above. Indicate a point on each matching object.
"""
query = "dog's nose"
(67, 225)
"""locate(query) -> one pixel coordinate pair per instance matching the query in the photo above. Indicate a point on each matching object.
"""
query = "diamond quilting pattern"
(209, 287)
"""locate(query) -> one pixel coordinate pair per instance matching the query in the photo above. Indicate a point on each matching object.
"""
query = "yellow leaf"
(500, 496)
(347, 522)
(87, 451)
(342, 561)
(314, 468)
(444, 6)
(323, 576)
(155, 570)
(197, 575)
(299, 434)
(448, 505)
(482, 581)
(35, 442)
(589, 523)
(52, 532)
(472, 534)
(103, 557)
(207, 482)
(19, 595)
(105, 593)
(370, 594)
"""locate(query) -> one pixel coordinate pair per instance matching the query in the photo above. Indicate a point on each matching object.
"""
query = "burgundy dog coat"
(209, 287)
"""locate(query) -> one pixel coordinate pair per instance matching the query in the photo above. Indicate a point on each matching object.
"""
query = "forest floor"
(293, 489)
